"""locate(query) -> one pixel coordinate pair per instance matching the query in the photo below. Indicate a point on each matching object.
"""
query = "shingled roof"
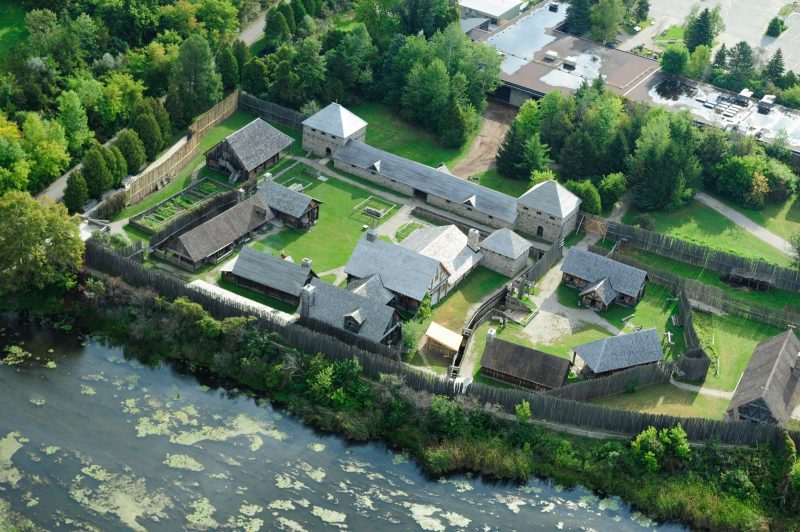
(429, 180)
(603, 290)
(256, 142)
(507, 243)
(769, 376)
(332, 304)
(448, 245)
(372, 288)
(525, 363)
(283, 199)
(623, 351)
(225, 228)
(551, 198)
(401, 270)
(336, 120)
(592, 267)
(270, 271)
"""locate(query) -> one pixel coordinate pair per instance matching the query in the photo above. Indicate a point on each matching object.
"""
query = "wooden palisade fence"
(615, 384)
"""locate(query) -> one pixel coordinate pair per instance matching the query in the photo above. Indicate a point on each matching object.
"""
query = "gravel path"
(745, 223)
(253, 31)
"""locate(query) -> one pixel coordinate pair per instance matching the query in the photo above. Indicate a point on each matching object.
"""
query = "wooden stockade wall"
(543, 265)
(348, 337)
(703, 256)
(272, 112)
(150, 180)
(552, 409)
(615, 384)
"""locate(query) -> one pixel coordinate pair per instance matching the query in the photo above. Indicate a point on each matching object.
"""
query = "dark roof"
(507, 243)
(429, 180)
(401, 270)
(270, 271)
(256, 142)
(769, 376)
(372, 288)
(526, 363)
(593, 267)
(551, 198)
(225, 228)
(603, 290)
(283, 199)
(332, 304)
(623, 351)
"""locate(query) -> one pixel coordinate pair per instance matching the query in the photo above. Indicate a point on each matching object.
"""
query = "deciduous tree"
(606, 19)
(72, 117)
(45, 143)
(674, 59)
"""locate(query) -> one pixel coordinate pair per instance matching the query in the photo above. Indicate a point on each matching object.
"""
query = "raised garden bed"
(158, 216)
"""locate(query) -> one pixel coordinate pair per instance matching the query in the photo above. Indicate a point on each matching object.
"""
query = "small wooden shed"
(442, 341)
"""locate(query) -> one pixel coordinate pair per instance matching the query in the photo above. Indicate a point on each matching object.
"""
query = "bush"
(738, 484)
(112, 206)
(776, 27)
(445, 417)
(132, 149)
(587, 192)
(612, 188)
(644, 221)
(782, 181)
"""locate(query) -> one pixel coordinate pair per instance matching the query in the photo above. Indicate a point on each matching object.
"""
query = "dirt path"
(702, 390)
(254, 30)
(745, 223)
(496, 121)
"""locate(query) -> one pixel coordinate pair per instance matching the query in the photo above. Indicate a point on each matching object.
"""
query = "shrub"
(132, 149)
(523, 411)
(612, 187)
(644, 221)
(112, 206)
(445, 417)
(782, 181)
(776, 27)
(738, 484)
(587, 192)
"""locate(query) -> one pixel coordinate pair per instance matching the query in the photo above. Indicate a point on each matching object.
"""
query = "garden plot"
(373, 210)
(159, 216)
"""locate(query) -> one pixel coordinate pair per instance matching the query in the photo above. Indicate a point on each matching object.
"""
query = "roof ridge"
(777, 359)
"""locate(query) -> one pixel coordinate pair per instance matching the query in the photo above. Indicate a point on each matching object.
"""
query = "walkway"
(253, 31)
(745, 223)
(55, 190)
(702, 390)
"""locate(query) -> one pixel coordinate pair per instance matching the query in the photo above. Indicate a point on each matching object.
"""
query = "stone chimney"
(306, 263)
(372, 234)
(306, 300)
(239, 195)
(490, 336)
(472, 240)
(267, 178)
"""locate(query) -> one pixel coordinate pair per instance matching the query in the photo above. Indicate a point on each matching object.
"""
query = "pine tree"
(96, 172)
(120, 164)
(642, 10)
(76, 194)
(132, 149)
(276, 29)
(162, 117)
(299, 10)
(147, 128)
(773, 70)
(741, 64)
(242, 54)
(228, 68)
(453, 125)
(113, 167)
(721, 57)
(511, 154)
(578, 16)
(286, 10)
(699, 30)
(536, 155)
(776, 27)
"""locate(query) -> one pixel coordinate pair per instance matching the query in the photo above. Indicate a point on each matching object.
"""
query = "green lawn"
(235, 122)
(667, 399)
(783, 219)
(491, 178)
(568, 296)
(672, 33)
(389, 132)
(776, 299)
(582, 334)
(511, 333)
(705, 226)
(730, 340)
(12, 26)
(405, 230)
(332, 240)
(256, 296)
(452, 312)
(258, 45)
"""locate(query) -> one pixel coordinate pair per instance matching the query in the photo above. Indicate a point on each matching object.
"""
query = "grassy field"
(511, 333)
(256, 296)
(235, 122)
(332, 240)
(389, 132)
(452, 312)
(672, 33)
(582, 334)
(783, 219)
(405, 230)
(491, 178)
(730, 340)
(12, 26)
(667, 399)
(705, 226)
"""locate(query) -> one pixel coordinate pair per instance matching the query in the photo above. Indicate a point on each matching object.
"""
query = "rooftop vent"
(551, 55)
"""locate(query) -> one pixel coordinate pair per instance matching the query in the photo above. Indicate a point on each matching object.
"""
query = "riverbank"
(708, 488)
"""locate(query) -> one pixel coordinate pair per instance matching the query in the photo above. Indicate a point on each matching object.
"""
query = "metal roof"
(507, 243)
(592, 267)
(469, 24)
(256, 142)
(336, 120)
(448, 245)
(270, 271)
(623, 351)
(332, 304)
(283, 199)
(429, 180)
(525, 363)
(442, 335)
(769, 376)
(401, 270)
(551, 198)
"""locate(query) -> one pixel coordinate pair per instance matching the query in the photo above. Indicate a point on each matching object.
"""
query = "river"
(90, 440)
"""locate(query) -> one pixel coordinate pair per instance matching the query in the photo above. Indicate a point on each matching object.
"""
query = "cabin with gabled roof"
(249, 151)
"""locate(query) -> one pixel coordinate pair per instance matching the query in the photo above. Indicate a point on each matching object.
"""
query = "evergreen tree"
(721, 57)
(453, 126)
(287, 11)
(741, 64)
(96, 172)
(299, 10)
(147, 128)
(536, 155)
(120, 165)
(132, 149)
(642, 10)
(162, 117)
(776, 27)
(276, 29)
(195, 80)
(113, 168)
(511, 154)
(242, 54)
(699, 30)
(773, 70)
(587, 192)
(578, 19)
(76, 194)
(228, 68)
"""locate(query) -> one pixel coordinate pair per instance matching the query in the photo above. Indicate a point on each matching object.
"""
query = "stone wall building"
(330, 128)
(548, 211)
(505, 252)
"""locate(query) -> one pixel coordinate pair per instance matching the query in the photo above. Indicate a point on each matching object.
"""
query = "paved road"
(253, 31)
(745, 223)
(55, 190)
